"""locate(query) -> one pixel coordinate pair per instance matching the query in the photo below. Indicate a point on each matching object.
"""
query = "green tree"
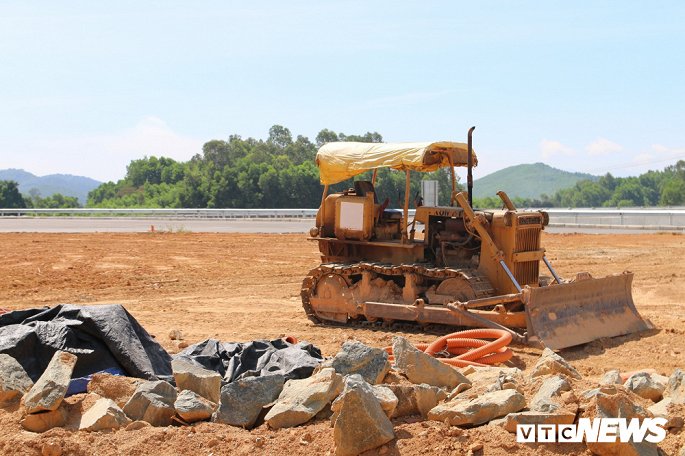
(280, 136)
(10, 198)
(54, 201)
(673, 193)
(628, 193)
(154, 170)
(326, 136)
(608, 181)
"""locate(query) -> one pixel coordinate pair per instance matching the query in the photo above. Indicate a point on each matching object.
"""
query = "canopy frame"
(339, 161)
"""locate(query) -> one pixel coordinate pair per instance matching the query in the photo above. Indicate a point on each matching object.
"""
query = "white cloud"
(667, 151)
(550, 149)
(104, 156)
(658, 156)
(603, 146)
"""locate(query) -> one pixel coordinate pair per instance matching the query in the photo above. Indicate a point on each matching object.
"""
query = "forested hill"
(527, 181)
(45, 186)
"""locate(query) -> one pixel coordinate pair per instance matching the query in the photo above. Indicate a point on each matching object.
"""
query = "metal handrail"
(633, 218)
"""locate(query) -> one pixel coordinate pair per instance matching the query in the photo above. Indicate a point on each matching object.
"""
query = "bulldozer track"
(479, 283)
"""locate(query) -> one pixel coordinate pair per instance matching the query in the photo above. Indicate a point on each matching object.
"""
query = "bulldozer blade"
(569, 314)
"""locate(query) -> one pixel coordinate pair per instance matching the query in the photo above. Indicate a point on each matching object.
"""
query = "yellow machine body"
(449, 265)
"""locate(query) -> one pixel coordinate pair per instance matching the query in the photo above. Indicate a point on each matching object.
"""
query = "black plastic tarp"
(103, 337)
(251, 359)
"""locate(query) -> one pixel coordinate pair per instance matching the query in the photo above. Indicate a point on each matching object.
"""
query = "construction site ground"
(239, 287)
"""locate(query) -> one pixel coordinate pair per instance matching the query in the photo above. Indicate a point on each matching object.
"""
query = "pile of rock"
(664, 392)
(359, 391)
(43, 399)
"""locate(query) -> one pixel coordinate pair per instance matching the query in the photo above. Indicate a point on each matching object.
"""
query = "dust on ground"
(239, 287)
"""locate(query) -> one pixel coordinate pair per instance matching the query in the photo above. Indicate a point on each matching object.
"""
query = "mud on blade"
(582, 311)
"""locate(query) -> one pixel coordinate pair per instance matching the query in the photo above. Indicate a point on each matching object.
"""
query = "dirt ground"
(239, 287)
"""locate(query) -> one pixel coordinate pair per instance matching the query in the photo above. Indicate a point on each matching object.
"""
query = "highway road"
(145, 224)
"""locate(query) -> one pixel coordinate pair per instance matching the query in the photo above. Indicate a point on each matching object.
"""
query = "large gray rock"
(611, 377)
(479, 410)
(301, 399)
(661, 408)
(665, 409)
(243, 399)
(192, 407)
(44, 421)
(152, 402)
(359, 423)
(356, 358)
(661, 379)
(548, 397)
(422, 368)
(489, 375)
(675, 389)
(49, 390)
(416, 399)
(191, 376)
(386, 398)
(551, 363)
(489, 378)
(617, 402)
(104, 414)
(14, 381)
(645, 386)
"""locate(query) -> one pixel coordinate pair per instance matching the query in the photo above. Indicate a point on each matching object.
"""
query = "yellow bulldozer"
(450, 265)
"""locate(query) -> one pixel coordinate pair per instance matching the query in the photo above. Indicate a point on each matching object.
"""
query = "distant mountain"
(66, 184)
(527, 181)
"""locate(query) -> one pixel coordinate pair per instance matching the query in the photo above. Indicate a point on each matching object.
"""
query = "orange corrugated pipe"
(469, 348)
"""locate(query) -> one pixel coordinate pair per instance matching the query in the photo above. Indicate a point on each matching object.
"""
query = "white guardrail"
(165, 213)
(650, 219)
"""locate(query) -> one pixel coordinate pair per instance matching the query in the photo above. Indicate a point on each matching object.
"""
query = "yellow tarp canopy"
(338, 161)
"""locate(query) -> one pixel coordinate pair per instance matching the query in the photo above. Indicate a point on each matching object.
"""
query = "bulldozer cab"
(356, 214)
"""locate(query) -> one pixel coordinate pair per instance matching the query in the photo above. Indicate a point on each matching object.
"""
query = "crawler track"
(352, 273)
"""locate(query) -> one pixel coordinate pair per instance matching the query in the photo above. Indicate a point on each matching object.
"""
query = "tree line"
(280, 172)
(11, 198)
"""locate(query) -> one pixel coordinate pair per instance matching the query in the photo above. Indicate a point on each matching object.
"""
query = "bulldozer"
(449, 265)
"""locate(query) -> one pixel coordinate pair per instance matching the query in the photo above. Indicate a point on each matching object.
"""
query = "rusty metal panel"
(575, 313)
(354, 217)
(439, 314)
(527, 240)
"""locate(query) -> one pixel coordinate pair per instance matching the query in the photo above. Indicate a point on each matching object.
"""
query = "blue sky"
(594, 86)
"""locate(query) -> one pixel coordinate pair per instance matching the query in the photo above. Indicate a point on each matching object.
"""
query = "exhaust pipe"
(469, 175)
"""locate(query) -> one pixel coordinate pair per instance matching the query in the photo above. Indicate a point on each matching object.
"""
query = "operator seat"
(361, 188)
